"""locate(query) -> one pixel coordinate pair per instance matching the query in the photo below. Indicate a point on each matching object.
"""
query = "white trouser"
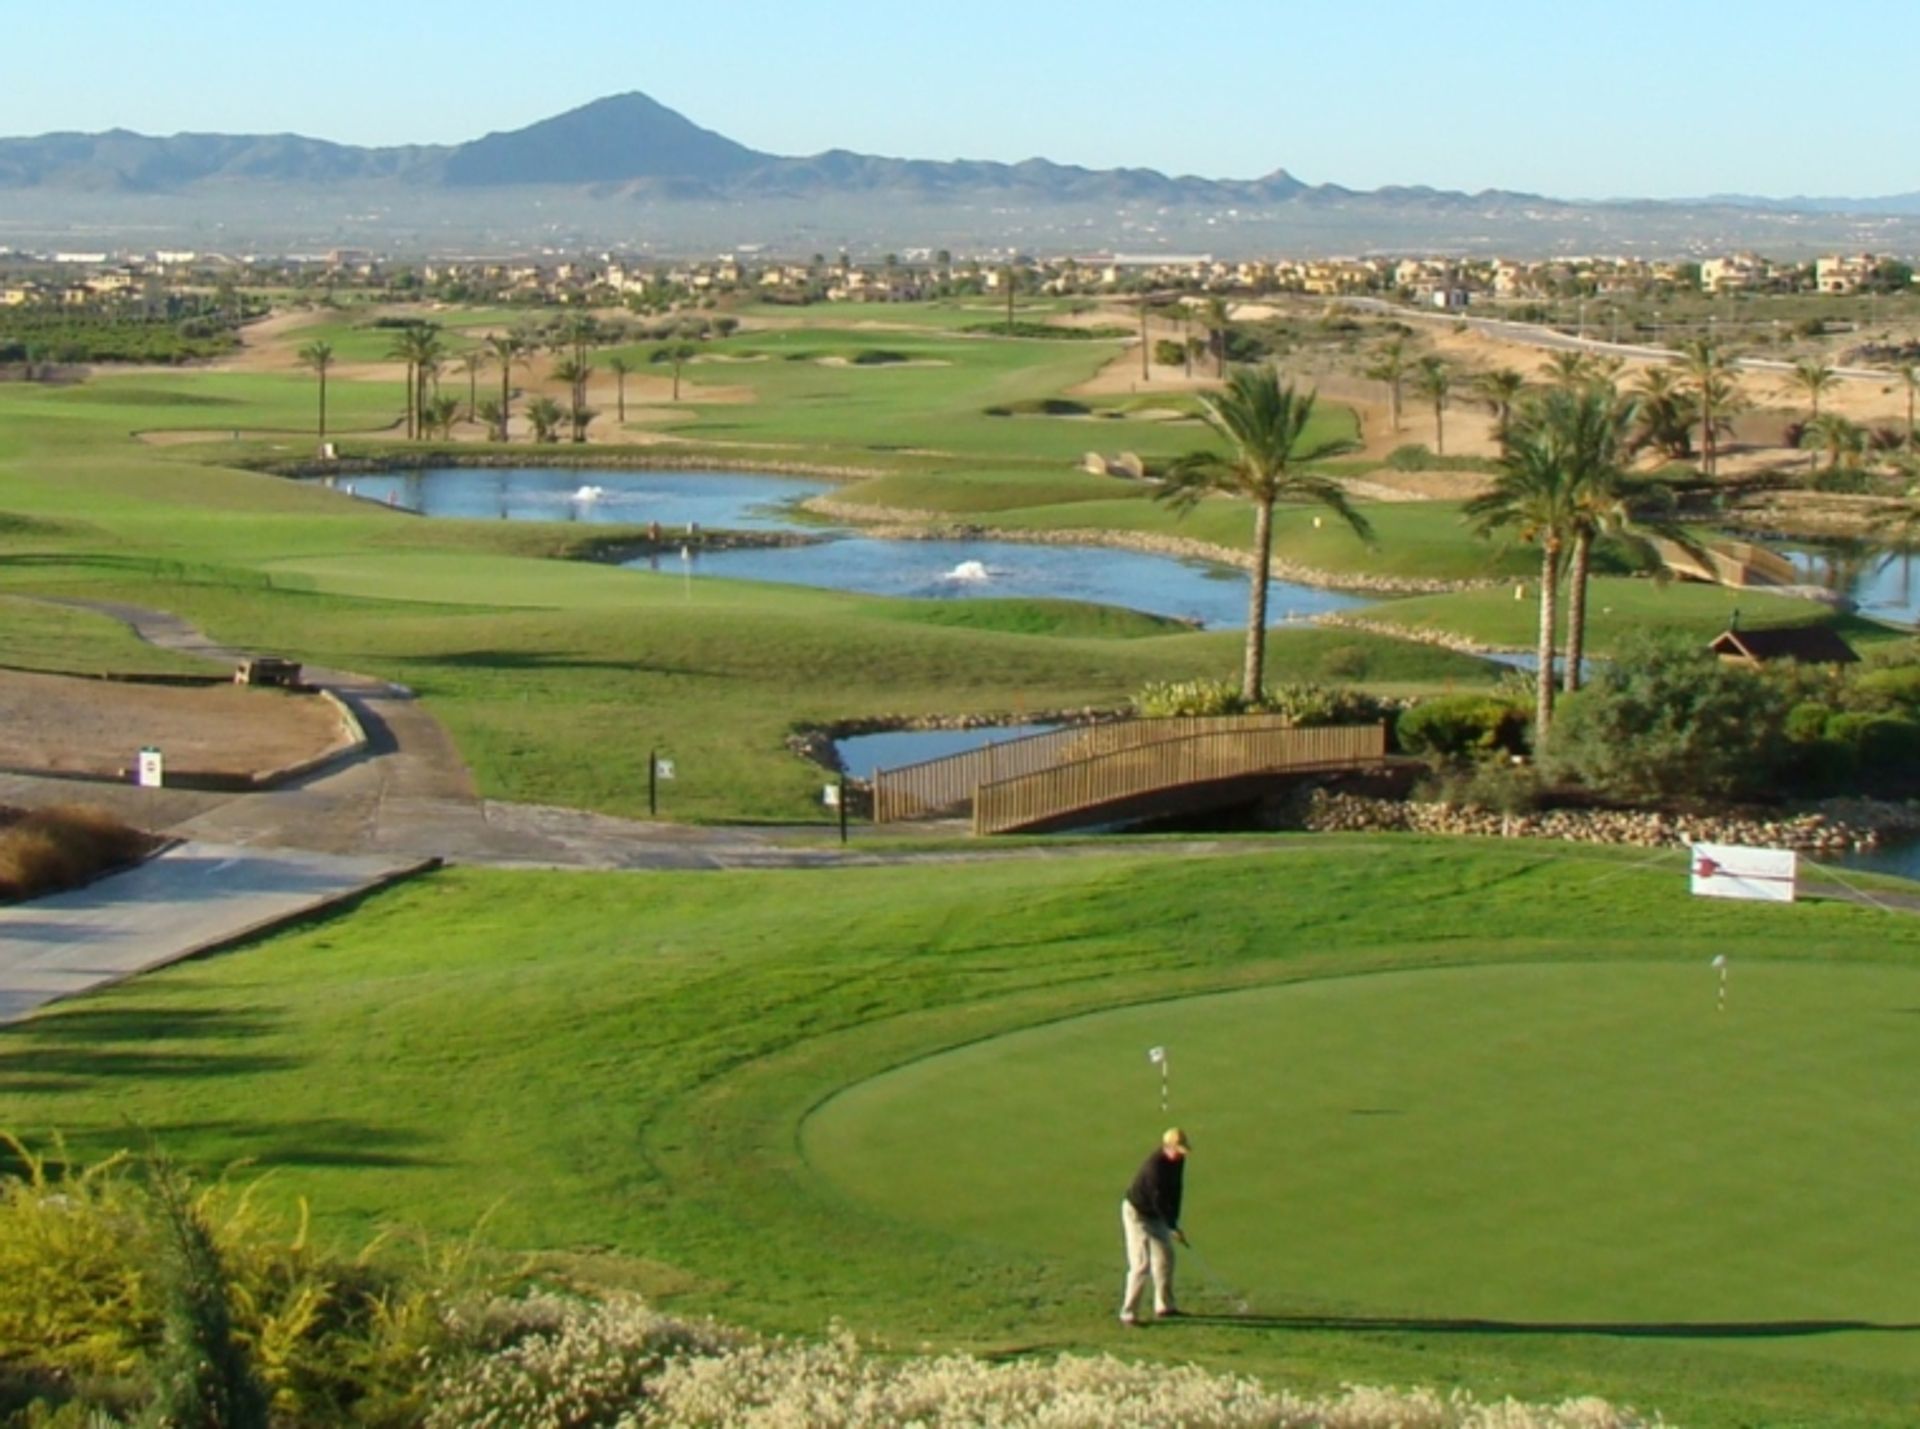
(1149, 1250)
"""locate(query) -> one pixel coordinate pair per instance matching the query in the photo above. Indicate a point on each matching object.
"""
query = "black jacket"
(1155, 1192)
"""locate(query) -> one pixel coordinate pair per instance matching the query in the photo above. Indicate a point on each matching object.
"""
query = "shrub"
(63, 847)
(1167, 699)
(1666, 720)
(793, 1384)
(1883, 745)
(1895, 689)
(1460, 728)
(1309, 704)
(202, 1374)
(104, 1274)
(1807, 722)
(1500, 788)
(876, 357)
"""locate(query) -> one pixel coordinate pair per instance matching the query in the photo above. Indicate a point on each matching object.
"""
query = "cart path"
(409, 794)
(190, 899)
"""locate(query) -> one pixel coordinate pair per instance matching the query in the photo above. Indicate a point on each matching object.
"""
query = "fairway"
(1543, 1145)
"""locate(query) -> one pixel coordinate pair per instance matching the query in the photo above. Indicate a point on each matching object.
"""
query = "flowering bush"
(800, 1386)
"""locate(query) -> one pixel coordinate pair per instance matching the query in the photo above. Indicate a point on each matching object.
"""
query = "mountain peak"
(624, 136)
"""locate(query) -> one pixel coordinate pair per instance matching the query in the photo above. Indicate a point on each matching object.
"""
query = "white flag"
(1156, 1054)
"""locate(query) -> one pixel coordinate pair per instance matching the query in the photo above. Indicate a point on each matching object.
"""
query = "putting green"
(1592, 1145)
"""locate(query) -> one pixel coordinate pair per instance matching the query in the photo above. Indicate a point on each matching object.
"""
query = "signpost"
(1767, 875)
(657, 769)
(153, 768)
(834, 796)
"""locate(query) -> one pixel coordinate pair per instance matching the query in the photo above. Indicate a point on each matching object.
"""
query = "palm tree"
(471, 362)
(1710, 369)
(1587, 428)
(1499, 389)
(401, 349)
(1569, 369)
(1390, 367)
(1844, 442)
(620, 367)
(489, 412)
(507, 348)
(1534, 494)
(418, 345)
(1815, 379)
(575, 372)
(1433, 381)
(1264, 424)
(441, 413)
(545, 414)
(1910, 375)
(1667, 413)
(678, 353)
(319, 356)
(1218, 324)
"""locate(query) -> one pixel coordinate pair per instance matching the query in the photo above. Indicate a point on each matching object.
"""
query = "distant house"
(1803, 644)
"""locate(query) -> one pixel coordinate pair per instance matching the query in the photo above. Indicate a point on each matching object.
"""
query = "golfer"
(1150, 1221)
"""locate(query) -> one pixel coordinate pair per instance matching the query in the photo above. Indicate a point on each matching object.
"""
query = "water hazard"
(861, 754)
(1883, 585)
(1199, 592)
(715, 500)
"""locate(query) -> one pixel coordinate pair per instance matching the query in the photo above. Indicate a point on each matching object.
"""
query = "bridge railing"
(1729, 563)
(933, 786)
(1025, 800)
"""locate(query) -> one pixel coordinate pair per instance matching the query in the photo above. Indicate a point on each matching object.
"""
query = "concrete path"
(408, 795)
(190, 899)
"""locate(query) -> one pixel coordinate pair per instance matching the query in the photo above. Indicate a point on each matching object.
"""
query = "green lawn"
(1616, 606)
(1449, 1081)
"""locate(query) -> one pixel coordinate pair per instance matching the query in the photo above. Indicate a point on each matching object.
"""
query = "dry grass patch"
(63, 847)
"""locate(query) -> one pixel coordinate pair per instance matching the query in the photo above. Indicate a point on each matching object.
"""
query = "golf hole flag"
(1770, 875)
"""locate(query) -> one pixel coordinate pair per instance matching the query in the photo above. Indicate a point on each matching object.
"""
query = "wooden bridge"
(1729, 563)
(1120, 770)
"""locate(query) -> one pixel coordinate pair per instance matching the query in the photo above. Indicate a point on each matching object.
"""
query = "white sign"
(1770, 875)
(663, 768)
(830, 795)
(153, 768)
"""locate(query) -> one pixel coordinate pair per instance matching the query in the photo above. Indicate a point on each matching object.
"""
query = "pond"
(861, 754)
(1902, 860)
(717, 500)
(1207, 595)
(1884, 586)
(1200, 592)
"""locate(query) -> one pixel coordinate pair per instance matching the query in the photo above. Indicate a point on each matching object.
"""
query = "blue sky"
(1566, 97)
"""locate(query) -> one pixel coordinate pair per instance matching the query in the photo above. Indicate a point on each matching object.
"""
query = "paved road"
(1537, 335)
(192, 897)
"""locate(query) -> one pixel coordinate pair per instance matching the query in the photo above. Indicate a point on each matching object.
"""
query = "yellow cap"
(1174, 1136)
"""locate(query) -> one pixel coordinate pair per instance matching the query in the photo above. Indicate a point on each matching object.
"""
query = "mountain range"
(627, 164)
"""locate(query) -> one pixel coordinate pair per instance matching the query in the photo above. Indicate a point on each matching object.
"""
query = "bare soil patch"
(68, 725)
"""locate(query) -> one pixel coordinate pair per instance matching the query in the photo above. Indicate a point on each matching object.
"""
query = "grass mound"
(122, 394)
(1070, 618)
(63, 847)
(1040, 407)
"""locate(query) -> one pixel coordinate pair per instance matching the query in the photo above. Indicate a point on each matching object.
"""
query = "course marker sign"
(1769, 875)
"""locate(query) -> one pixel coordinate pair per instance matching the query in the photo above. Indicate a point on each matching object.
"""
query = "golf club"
(1215, 1280)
